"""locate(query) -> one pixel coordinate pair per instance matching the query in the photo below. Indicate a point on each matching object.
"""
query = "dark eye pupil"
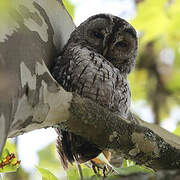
(122, 44)
(98, 35)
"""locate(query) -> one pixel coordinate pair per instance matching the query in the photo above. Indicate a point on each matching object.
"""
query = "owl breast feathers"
(95, 63)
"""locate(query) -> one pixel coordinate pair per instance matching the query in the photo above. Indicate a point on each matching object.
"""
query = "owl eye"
(122, 44)
(98, 35)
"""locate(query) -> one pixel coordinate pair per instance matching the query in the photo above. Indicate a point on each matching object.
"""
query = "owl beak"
(105, 46)
(105, 50)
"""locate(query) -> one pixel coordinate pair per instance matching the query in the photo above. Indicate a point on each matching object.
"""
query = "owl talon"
(97, 169)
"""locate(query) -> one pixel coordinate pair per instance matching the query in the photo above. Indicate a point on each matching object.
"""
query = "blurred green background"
(155, 83)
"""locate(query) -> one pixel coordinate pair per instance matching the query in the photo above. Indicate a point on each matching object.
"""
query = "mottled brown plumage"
(95, 63)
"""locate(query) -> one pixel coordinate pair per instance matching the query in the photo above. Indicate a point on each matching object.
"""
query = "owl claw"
(100, 170)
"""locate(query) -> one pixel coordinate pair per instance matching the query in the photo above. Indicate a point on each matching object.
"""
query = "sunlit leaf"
(11, 147)
(46, 174)
(87, 172)
(151, 19)
(8, 159)
(73, 174)
(173, 33)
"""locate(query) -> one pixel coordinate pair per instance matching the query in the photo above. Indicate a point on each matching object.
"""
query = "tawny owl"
(95, 63)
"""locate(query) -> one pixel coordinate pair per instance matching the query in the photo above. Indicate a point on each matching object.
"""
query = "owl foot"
(100, 170)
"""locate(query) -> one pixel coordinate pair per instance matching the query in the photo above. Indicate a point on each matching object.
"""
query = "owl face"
(112, 37)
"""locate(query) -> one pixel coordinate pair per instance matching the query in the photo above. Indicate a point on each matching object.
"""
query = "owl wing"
(122, 96)
(89, 74)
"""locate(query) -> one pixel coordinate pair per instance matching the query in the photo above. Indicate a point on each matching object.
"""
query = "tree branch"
(144, 143)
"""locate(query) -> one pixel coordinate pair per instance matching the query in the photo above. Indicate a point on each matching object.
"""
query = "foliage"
(46, 174)
(158, 20)
(8, 159)
(73, 174)
(157, 74)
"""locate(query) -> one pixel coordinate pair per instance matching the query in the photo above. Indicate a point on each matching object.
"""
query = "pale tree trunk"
(32, 33)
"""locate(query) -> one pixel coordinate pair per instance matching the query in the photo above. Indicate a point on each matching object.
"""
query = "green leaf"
(11, 147)
(46, 174)
(8, 159)
(8, 162)
(72, 174)
(173, 33)
(151, 20)
(4, 154)
(87, 172)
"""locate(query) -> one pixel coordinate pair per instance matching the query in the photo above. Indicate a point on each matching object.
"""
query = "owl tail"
(63, 146)
(71, 147)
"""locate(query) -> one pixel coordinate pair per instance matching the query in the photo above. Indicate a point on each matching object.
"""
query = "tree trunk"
(32, 33)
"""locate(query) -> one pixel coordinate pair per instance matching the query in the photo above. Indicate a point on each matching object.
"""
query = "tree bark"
(31, 36)
(32, 33)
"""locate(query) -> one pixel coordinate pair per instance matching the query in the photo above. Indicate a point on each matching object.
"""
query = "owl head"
(112, 37)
